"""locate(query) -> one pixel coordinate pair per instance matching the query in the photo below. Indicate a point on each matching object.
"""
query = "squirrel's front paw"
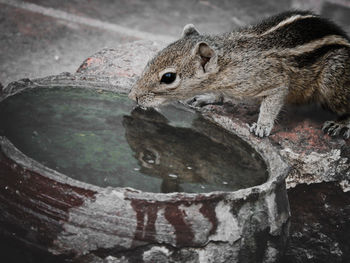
(205, 99)
(260, 130)
(336, 128)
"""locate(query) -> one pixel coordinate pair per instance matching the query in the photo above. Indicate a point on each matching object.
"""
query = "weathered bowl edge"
(277, 169)
(80, 217)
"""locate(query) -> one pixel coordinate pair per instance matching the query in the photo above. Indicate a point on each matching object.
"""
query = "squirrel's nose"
(132, 95)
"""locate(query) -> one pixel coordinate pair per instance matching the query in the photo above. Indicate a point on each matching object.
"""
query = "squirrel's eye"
(168, 78)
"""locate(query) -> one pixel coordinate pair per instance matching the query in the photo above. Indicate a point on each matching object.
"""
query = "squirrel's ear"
(208, 56)
(189, 30)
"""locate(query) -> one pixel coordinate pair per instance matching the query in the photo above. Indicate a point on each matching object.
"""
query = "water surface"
(100, 138)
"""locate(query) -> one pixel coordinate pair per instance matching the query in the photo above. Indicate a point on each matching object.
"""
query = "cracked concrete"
(36, 44)
(41, 38)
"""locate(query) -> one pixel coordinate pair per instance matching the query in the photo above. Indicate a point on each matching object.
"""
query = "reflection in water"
(91, 136)
(198, 158)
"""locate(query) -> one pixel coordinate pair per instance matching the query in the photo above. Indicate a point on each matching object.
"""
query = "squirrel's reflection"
(203, 154)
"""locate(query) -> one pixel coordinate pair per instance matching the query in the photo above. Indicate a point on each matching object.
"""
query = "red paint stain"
(146, 216)
(90, 63)
(93, 62)
(33, 201)
(176, 217)
(208, 210)
(305, 134)
(175, 214)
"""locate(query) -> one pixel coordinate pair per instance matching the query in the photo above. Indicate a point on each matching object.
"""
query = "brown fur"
(295, 57)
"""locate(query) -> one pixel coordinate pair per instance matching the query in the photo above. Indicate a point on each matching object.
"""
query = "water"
(100, 138)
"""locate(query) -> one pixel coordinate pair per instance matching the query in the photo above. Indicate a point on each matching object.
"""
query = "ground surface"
(40, 38)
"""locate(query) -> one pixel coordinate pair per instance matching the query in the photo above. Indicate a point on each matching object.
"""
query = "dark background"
(45, 37)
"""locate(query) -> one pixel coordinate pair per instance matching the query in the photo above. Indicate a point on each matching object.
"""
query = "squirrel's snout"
(132, 95)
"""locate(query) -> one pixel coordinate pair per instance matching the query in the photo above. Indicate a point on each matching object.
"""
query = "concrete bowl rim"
(277, 168)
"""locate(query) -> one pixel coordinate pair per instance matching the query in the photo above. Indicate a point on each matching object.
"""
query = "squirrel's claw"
(335, 128)
(260, 130)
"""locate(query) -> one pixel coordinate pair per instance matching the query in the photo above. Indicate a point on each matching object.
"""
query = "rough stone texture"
(314, 158)
(34, 44)
(315, 228)
(320, 225)
(127, 225)
(121, 65)
(318, 232)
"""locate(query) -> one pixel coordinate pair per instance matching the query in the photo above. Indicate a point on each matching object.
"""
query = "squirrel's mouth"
(150, 100)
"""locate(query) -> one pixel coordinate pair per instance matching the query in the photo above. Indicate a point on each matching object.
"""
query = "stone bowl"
(52, 212)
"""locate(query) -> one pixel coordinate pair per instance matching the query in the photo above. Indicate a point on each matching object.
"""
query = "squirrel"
(294, 57)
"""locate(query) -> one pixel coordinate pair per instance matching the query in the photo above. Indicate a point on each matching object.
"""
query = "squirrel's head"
(178, 71)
